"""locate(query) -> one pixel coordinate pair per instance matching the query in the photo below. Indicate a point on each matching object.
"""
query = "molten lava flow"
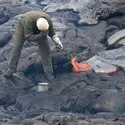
(79, 67)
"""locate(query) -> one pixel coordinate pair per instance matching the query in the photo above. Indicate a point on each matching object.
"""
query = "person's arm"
(54, 36)
(51, 29)
(57, 42)
(29, 34)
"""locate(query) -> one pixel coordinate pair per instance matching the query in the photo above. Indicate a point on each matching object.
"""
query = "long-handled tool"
(68, 54)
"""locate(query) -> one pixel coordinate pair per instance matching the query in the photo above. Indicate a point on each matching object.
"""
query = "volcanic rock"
(90, 11)
(4, 38)
(88, 96)
(110, 102)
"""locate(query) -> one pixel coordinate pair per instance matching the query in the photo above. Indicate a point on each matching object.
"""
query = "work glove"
(39, 36)
(57, 42)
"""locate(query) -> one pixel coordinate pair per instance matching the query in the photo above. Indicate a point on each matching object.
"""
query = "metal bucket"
(43, 87)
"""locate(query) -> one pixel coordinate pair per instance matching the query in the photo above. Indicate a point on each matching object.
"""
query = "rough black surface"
(73, 98)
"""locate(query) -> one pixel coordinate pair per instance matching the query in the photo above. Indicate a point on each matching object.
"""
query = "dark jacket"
(30, 28)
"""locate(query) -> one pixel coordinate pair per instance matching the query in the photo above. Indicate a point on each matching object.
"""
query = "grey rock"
(91, 11)
(43, 3)
(71, 26)
(96, 36)
(29, 60)
(7, 2)
(59, 26)
(4, 53)
(117, 21)
(4, 38)
(104, 114)
(104, 85)
(80, 33)
(110, 102)
(3, 16)
(24, 122)
(4, 66)
(71, 119)
(4, 19)
(17, 2)
(10, 88)
(28, 51)
(70, 92)
(111, 30)
(39, 101)
(70, 34)
(14, 11)
(115, 57)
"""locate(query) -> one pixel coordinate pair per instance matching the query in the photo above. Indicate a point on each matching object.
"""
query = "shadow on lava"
(60, 65)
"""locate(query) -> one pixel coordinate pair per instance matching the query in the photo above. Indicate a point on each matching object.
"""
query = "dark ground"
(85, 98)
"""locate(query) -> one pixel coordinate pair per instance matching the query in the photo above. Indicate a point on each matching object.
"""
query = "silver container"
(43, 87)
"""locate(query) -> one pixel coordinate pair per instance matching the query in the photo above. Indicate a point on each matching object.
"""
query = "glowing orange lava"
(80, 67)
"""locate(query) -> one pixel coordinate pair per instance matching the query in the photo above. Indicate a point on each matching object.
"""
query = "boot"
(9, 73)
(49, 76)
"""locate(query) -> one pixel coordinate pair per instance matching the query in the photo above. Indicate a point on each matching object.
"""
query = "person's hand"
(57, 42)
(59, 45)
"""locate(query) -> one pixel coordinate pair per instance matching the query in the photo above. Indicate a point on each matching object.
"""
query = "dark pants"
(19, 40)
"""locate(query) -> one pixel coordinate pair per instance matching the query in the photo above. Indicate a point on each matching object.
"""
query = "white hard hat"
(42, 24)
